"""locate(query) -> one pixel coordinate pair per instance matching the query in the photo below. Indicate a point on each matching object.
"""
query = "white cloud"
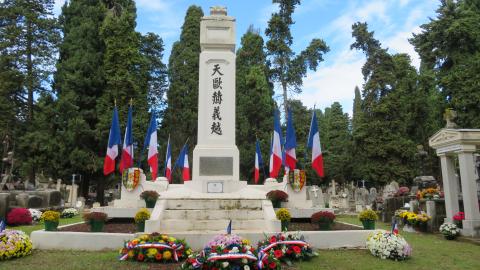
(57, 7)
(154, 5)
(399, 44)
(404, 2)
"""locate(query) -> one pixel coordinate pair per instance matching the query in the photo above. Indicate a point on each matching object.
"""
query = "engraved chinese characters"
(216, 127)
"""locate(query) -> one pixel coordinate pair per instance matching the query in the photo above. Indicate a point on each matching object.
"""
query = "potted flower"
(277, 196)
(284, 216)
(142, 215)
(458, 219)
(421, 222)
(324, 219)
(450, 231)
(96, 220)
(368, 218)
(150, 197)
(50, 219)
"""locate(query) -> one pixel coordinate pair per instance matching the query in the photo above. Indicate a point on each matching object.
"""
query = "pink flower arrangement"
(19, 216)
(459, 216)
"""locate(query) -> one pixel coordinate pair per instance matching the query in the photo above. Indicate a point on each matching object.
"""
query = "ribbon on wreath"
(262, 253)
(173, 247)
(231, 256)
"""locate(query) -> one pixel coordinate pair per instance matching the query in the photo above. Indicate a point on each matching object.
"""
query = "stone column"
(449, 186)
(471, 224)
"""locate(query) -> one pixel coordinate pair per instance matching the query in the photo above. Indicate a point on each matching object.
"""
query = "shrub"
(95, 216)
(49, 215)
(323, 216)
(142, 215)
(277, 195)
(19, 216)
(283, 214)
(149, 195)
(368, 214)
(14, 244)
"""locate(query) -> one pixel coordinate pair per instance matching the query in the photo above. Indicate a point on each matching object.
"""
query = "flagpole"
(263, 167)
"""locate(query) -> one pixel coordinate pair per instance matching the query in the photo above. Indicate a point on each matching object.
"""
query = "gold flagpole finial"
(131, 101)
(115, 102)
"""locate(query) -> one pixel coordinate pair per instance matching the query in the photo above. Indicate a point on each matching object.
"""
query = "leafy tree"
(255, 105)
(28, 39)
(383, 133)
(289, 69)
(182, 96)
(449, 46)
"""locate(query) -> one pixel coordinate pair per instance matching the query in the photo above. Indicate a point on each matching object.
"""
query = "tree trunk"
(29, 84)
(285, 98)
(101, 190)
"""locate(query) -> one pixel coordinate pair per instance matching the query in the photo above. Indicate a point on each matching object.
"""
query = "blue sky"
(393, 21)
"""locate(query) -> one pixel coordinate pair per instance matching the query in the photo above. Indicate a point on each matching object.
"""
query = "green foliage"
(181, 113)
(449, 46)
(287, 68)
(255, 105)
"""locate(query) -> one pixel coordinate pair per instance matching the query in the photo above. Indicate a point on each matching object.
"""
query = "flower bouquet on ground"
(283, 248)
(155, 247)
(458, 219)
(19, 216)
(324, 219)
(388, 245)
(150, 197)
(224, 251)
(450, 231)
(51, 219)
(36, 214)
(277, 196)
(69, 213)
(96, 220)
(368, 218)
(284, 216)
(14, 244)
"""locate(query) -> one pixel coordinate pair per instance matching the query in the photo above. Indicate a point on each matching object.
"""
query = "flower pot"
(150, 203)
(97, 225)
(368, 224)
(422, 227)
(450, 237)
(277, 204)
(285, 225)
(325, 225)
(459, 224)
(51, 225)
(141, 226)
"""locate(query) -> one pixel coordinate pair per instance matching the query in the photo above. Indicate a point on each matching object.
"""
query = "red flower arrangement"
(323, 216)
(459, 216)
(19, 216)
(277, 195)
(402, 191)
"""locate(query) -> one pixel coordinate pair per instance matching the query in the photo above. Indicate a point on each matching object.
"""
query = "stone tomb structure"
(462, 143)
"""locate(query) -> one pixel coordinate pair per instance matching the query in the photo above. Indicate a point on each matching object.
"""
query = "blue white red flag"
(276, 150)
(127, 151)
(258, 162)
(168, 162)
(151, 141)
(113, 144)
(290, 143)
(314, 144)
(182, 162)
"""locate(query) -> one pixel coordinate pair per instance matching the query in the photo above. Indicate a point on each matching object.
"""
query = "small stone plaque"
(216, 166)
(215, 187)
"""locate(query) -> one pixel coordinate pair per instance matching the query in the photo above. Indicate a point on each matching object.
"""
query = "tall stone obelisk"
(216, 157)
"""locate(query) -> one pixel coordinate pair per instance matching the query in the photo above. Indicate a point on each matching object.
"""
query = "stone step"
(213, 204)
(213, 214)
(174, 225)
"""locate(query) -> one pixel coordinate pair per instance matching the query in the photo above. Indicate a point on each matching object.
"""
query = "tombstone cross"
(314, 189)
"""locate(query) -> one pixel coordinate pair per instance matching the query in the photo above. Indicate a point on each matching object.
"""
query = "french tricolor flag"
(113, 143)
(151, 141)
(182, 162)
(258, 162)
(314, 144)
(127, 151)
(290, 144)
(168, 162)
(276, 150)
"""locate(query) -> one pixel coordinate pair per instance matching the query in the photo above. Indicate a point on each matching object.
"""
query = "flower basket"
(150, 203)
(150, 197)
(51, 226)
(97, 225)
(277, 197)
(324, 219)
(284, 216)
(96, 220)
(450, 231)
(325, 226)
(368, 224)
(140, 217)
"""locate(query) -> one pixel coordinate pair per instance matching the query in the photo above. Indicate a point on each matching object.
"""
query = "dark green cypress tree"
(449, 46)
(180, 119)
(254, 103)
